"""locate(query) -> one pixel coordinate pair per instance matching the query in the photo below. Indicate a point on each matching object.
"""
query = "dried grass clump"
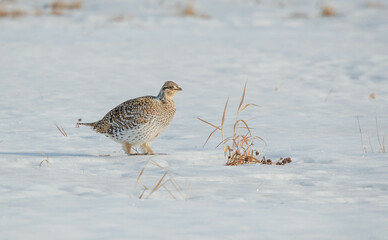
(37, 12)
(299, 15)
(117, 18)
(166, 181)
(241, 150)
(191, 11)
(373, 4)
(328, 11)
(15, 13)
(56, 12)
(61, 5)
(120, 18)
(238, 148)
(58, 6)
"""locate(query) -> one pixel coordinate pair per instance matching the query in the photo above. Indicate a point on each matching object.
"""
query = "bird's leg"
(146, 149)
(127, 148)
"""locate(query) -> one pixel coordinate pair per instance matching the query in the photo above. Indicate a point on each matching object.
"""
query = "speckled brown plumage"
(139, 121)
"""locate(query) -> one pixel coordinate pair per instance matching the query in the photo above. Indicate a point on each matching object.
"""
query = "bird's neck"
(164, 97)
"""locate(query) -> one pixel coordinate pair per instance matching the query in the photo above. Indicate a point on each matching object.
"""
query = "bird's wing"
(129, 114)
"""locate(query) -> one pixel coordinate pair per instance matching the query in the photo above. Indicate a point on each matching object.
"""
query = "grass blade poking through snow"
(362, 139)
(61, 130)
(382, 143)
(46, 160)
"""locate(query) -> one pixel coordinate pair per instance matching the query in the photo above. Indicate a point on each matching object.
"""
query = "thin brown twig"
(247, 105)
(157, 185)
(210, 136)
(378, 135)
(162, 182)
(142, 194)
(165, 188)
(176, 186)
(188, 191)
(370, 144)
(61, 130)
(222, 125)
(362, 141)
(243, 97)
(141, 173)
(46, 160)
(209, 123)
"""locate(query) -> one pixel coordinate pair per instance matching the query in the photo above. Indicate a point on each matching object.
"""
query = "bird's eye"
(170, 87)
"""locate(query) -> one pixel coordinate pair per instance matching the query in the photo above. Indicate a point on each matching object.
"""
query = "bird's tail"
(92, 124)
(99, 126)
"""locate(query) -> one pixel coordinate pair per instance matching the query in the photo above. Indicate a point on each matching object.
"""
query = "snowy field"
(311, 75)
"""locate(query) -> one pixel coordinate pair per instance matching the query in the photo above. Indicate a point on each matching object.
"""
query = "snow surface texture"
(56, 69)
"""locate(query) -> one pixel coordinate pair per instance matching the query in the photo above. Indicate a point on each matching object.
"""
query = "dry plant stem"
(104, 155)
(216, 128)
(162, 183)
(172, 195)
(139, 177)
(11, 13)
(46, 160)
(176, 186)
(378, 135)
(362, 141)
(141, 195)
(188, 192)
(157, 185)
(370, 144)
(61, 130)
(328, 94)
(222, 126)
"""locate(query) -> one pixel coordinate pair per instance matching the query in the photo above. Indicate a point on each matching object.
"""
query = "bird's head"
(169, 89)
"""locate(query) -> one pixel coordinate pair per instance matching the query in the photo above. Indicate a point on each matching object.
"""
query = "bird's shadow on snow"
(51, 154)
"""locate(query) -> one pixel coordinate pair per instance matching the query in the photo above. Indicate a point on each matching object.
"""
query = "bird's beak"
(180, 89)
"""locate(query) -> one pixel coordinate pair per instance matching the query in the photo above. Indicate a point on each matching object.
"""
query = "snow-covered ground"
(311, 75)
